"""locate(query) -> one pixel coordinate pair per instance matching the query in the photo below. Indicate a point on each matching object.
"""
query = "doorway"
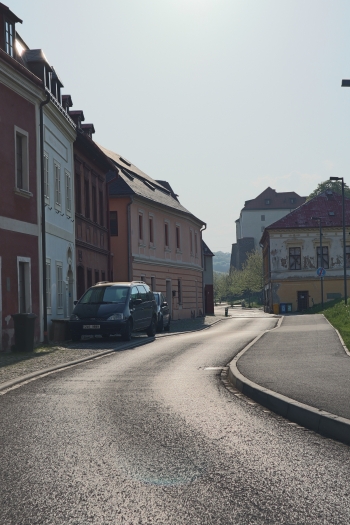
(169, 297)
(303, 301)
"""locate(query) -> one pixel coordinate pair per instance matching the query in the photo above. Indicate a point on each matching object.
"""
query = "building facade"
(257, 214)
(292, 255)
(208, 279)
(20, 93)
(155, 239)
(91, 167)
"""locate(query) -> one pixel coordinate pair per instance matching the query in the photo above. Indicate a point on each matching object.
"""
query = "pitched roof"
(327, 206)
(206, 250)
(133, 181)
(283, 200)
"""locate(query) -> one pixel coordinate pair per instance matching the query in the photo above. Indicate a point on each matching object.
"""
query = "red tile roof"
(327, 205)
(284, 200)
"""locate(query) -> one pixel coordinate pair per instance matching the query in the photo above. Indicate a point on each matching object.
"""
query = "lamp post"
(344, 242)
(321, 254)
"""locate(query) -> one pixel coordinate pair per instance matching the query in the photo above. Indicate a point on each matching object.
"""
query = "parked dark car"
(114, 308)
(163, 312)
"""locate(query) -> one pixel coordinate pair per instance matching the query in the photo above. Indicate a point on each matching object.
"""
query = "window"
(347, 252)
(267, 201)
(101, 207)
(263, 217)
(143, 278)
(46, 178)
(94, 204)
(77, 193)
(48, 285)
(140, 227)
(97, 276)
(295, 258)
(21, 160)
(191, 242)
(324, 263)
(9, 33)
(103, 276)
(262, 228)
(178, 246)
(292, 200)
(179, 291)
(58, 197)
(153, 284)
(87, 198)
(59, 286)
(68, 193)
(166, 235)
(196, 243)
(113, 223)
(89, 277)
(151, 231)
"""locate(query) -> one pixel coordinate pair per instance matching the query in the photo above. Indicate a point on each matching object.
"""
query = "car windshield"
(105, 295)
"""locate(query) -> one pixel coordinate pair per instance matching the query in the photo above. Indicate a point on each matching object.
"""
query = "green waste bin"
(24, 332)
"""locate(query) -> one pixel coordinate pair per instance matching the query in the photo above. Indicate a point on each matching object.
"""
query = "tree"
(332, 185)
(252, 273)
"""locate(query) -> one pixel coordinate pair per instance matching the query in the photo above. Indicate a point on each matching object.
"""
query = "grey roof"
(206, 250)
(133, 181)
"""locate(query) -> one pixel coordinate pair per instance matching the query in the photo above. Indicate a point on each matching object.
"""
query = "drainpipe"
(203, 285)
(43, 225)
(129, 240)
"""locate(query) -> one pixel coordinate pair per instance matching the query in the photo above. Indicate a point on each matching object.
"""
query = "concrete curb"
(29, 377)
(319, 421)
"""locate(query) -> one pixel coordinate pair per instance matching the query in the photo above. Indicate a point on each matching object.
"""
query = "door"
(169, 297)
(303, 301)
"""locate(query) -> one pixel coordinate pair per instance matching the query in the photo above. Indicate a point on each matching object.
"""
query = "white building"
(257, 214)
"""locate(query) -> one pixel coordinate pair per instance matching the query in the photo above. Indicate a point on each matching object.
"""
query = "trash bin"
(226, 311)
(24, 332)
(276, 308)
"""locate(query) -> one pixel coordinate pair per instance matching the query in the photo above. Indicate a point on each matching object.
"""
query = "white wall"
(251, 223)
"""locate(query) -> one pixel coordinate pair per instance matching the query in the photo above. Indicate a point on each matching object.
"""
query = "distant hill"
(221, 262)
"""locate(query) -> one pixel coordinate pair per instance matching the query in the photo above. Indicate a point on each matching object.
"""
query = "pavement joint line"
(22, 380)
(326, 424)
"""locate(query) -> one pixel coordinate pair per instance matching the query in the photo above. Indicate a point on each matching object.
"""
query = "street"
(151, 435)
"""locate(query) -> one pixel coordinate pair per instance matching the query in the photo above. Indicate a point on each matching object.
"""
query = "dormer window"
(9, 32)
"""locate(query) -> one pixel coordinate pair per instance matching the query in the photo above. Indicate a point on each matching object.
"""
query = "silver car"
(163, 312)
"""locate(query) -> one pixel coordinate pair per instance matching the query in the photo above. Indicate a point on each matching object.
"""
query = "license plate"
(91, 326)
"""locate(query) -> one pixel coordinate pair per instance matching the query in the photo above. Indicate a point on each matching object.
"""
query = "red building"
(91, 166)
(20, 94)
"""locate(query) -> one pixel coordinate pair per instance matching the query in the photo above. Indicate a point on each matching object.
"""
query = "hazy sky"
(221, 98)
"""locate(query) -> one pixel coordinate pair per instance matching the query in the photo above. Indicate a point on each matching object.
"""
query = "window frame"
(57, 178)
(167, 235)
(46, 178)
(151, 229)
(9, 42)
(140, 227)
(24, 136)
(294, 258)
(68, 177)
(178, 237)
(27, 283)
(59, 287)
(321, 260)
(191, 242)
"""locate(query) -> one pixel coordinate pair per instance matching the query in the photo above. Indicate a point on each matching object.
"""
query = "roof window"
(125, 161)
(148, 184)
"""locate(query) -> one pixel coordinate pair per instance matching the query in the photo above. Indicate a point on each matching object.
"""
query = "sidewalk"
(14, 366)
(301, 371)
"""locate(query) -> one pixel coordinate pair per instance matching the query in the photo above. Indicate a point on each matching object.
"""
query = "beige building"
(155, 239)
(292, 255)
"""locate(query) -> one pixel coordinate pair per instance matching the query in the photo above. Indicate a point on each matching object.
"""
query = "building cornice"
(19, 83)
(58, 119)
(171, 210)
(164, 262)
(91, 247)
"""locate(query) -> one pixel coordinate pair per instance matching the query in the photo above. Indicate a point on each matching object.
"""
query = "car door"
(144, 307)
(135, 309)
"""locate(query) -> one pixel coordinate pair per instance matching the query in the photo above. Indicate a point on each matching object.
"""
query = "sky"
(221, 98)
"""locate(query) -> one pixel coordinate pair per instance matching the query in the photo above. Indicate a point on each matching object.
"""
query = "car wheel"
(126, 333)
(105, 337)
(76, 337)
(151, 330)
(160, 325)
(167, 327)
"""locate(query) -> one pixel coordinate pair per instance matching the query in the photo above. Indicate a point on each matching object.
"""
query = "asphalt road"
(152, 436)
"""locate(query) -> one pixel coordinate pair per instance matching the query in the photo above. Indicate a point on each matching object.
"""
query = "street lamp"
(321, 254)
(344, 246)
